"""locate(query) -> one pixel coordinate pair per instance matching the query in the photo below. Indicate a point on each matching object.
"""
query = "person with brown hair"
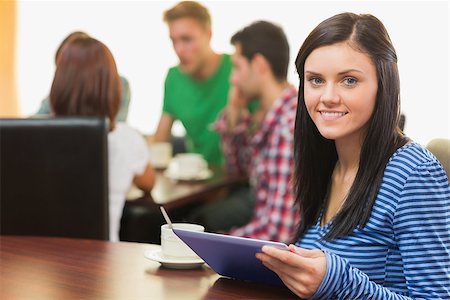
(195, 90)
(44, 109)
(86, 83)
(259, 144)
(374, 205)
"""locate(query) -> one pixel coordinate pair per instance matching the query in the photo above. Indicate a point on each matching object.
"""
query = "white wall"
(138, 38)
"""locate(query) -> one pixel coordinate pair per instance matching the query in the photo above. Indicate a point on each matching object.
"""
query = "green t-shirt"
(197, 105)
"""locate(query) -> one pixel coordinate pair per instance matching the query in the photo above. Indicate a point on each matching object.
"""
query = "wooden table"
(59, 268)
(142, 219)
(174, 194)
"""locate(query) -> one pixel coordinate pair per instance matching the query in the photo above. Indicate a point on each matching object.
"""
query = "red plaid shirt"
(264, 153)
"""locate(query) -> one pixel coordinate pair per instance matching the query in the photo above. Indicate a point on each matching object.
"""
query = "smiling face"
(190, 41)
(340, 91)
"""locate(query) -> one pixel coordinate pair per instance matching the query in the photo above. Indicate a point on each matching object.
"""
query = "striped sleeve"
(422, 232)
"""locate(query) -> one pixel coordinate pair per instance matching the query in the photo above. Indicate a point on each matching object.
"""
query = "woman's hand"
(300, 269)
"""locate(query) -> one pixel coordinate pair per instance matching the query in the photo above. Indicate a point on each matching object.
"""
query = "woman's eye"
(315, 80)
(350, 81)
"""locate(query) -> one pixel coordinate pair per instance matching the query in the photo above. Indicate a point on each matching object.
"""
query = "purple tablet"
(231, 256)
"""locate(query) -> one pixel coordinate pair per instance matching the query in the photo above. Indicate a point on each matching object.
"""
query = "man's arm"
(164, 130)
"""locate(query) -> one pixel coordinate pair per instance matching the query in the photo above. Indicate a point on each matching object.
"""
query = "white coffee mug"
(172, 246)
(188, 165)
(160, 154)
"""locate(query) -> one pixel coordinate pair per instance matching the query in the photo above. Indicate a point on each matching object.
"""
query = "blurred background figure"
(195, 90)
(258, 144)
(44, 109)
(86, 83)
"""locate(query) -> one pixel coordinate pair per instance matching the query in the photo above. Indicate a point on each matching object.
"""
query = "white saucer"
(156, 255)
(202, 175)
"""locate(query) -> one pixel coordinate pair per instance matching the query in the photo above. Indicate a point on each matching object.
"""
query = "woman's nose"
(330, 95)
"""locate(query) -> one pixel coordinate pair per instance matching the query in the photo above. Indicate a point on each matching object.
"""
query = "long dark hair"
(86, 82)
(316, 157)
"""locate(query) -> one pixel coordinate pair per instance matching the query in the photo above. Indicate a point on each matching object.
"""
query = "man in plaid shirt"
(259, 145)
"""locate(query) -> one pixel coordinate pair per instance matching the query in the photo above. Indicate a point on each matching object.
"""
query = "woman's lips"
(332, 115)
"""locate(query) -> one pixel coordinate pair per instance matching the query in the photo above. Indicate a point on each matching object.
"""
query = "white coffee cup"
(173, 247)
(187, 165)
(160, 154)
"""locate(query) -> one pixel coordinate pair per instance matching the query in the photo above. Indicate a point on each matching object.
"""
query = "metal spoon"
(166, 217)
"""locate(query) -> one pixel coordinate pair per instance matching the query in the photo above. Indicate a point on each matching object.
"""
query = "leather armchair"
(54, 177)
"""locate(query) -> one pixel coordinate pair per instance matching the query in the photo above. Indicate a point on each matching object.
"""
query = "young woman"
(374, 206)
(86, 83)
(44, 109)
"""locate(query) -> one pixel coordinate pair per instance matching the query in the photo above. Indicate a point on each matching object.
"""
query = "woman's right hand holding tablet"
(301, 270)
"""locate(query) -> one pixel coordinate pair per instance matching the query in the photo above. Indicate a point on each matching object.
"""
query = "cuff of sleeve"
(331, 280)
(221, 124)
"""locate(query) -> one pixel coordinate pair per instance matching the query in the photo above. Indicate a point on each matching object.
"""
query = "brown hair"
(86, 82)
(189, 9)
(268, 40)
(73, 36)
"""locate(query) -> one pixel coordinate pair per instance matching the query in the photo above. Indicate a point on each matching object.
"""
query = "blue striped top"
(403, 252)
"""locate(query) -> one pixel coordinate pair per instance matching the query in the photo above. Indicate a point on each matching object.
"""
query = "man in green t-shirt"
(196, 90)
